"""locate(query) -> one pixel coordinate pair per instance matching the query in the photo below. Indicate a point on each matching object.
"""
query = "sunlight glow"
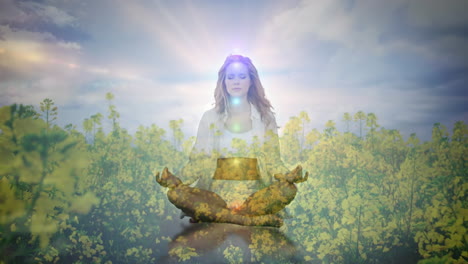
(23, 51)
(73, 66)
(191, 50)
(236, 51)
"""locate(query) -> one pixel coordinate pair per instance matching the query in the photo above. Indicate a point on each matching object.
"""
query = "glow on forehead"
(237, 65)
(236, 68)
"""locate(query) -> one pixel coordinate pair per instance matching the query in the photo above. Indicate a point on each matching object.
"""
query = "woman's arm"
(271, 150)
(200, 164)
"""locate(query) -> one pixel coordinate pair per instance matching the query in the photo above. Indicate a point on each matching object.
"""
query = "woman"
(236, 155)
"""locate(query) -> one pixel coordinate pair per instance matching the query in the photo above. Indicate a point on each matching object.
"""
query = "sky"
(406, 61)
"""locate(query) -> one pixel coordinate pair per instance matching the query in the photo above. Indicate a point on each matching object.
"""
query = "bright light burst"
(235, 100)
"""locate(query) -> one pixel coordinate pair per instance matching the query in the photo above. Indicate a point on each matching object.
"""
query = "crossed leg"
(274, 198)
(259, 209)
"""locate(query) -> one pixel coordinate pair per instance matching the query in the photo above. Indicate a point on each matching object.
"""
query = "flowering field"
(90, 197)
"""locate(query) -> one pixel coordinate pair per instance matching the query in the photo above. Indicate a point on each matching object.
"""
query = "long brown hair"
(256, 94)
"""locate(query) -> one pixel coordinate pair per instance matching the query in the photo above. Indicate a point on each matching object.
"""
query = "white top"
(230, 139)
(212, 129)
(215, 141)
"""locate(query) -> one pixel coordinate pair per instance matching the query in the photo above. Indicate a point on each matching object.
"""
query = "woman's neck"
(239, 105)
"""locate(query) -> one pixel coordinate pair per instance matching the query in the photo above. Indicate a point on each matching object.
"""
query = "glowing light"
(235, 100)
(237, 65)
(32, 57)
(235, 206)
(236, 127)
(236, 51)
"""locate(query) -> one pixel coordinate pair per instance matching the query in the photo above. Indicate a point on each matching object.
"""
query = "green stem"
(40, 185)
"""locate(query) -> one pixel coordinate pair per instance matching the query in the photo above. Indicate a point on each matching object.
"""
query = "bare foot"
(294, 176)
(168, 179)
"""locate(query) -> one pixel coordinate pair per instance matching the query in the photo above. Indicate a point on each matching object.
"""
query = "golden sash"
(241, 169)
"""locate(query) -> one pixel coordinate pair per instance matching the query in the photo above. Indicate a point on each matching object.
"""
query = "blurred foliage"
(372, 196)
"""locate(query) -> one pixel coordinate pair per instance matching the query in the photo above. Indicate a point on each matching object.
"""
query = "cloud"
(48, 13)
(55, 19)
(403, 60)
(364, 28)
(69, 45)
(405, 105)
(27, 14)
(438, 14)
(161, 37)
(34, 61)
(142, 103)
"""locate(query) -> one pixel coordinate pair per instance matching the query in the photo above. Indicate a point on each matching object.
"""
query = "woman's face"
(237, 80)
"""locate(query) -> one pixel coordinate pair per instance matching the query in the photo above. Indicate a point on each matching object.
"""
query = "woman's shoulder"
(210, 116)
(211, 113)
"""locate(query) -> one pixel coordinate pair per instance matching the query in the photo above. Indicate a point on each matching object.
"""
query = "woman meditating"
(235, 162)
